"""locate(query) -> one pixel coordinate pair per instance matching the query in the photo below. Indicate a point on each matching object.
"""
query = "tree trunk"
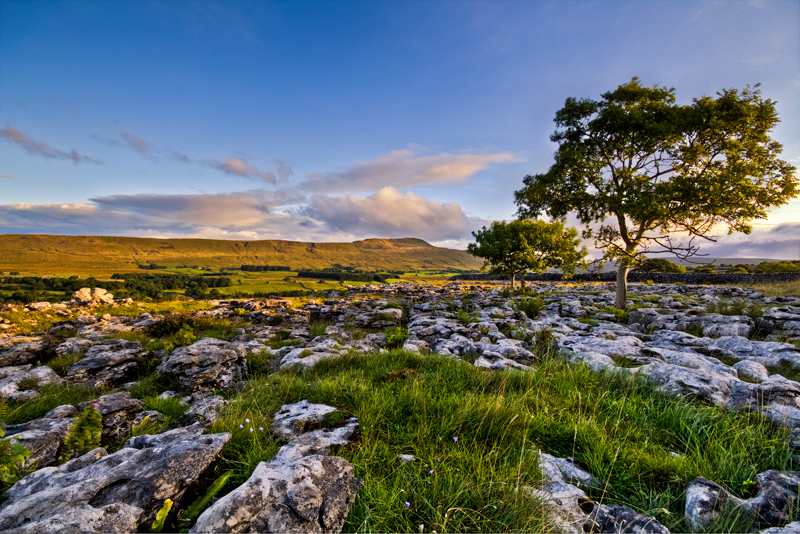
(512, 281)
(621, 299)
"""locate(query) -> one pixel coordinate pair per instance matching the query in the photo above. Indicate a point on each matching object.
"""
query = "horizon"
(347, 121)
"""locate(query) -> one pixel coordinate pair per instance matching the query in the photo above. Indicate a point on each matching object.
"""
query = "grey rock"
(750, 369)
(405, 458)
(706, 501)
(73, 345)
(309, 494)
(791, 528)
(65, 410)
(141, 475)
(43, 438)
(10, 386)
(318, 442)
(5, 372)
(117, 517)
(496, 362)
(207, 364)
(107, 363)
(767, 353)
(777, 495)
(290, 419)
(21, 354)
(119, 411)
(205, 411)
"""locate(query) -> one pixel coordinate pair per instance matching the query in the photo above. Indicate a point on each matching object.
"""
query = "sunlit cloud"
(6, 176)
(284, 169)
(239, 167)
(388, 213)
(405, 168)
(39, 148)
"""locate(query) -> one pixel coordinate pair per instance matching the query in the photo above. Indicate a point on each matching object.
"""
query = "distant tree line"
(257, 268)
(345, 276)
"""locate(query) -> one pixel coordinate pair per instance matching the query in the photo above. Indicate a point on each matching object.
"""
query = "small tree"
(646, 169)
(527, 245)
(659, 265)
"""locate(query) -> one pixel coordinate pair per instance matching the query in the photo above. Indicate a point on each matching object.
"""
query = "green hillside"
(100, 254)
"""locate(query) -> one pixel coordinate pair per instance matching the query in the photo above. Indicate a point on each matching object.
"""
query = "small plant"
(396, 337)
(144, 428)
(649, 283)
(85, 433)
(466, 318)
(158, 524)
(543, 340)
(12, 456)
(696, 330)
(27, 383)
(317, 327)
(189, 515)
(532, 306)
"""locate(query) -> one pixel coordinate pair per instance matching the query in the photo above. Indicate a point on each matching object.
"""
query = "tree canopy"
(528, 245)
(653, 175)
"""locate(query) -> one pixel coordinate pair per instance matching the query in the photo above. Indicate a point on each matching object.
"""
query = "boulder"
(496, 362)
(291, 418)
(206, 364)
(107, 363)
(73, 345)
(309, 494)
(205, 411)
(119, 411)
(706, 501)
(21, 354)
(119, 492)
(10, 387)
(42, 437)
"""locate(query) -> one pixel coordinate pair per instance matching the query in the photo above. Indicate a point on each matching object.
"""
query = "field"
(98, 255)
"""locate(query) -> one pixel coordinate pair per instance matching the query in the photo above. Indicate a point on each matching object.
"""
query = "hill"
(100, 254)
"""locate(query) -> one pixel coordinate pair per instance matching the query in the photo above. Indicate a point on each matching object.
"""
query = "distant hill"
(104, 255)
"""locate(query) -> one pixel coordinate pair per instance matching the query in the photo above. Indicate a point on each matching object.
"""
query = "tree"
(645, 169)
(659, 265)
(522, 245)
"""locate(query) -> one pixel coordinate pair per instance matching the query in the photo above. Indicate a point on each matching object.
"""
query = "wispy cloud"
(239, 167)
(136, 142)
(6, 176)
(39, 148)
(404, 168)
(284, 170)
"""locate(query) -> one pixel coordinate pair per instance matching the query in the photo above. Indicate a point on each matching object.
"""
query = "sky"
(338, 121)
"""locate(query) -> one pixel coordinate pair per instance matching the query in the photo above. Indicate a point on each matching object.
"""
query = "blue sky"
(335, 121)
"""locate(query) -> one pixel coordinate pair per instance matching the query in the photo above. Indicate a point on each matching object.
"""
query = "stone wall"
(659, 278)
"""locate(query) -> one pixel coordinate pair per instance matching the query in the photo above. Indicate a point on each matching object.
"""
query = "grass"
(772, 289)
(619, 428)
(31, 322)
(50, 396)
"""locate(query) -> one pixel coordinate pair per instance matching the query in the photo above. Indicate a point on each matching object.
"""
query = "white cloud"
(136, 142)
(405, 168)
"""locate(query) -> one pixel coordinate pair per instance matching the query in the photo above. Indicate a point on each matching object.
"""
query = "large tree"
(527, 245)
(653, 175)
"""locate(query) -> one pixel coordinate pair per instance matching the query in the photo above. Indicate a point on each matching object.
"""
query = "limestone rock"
(706, 501)
(42, 437)
(141, 475)
(205, 411)
(207, 364)
(290, 419)
(107, 363)
(21, 354)
(119, 411)
(310, 494)
(496, 362)
(10, 386)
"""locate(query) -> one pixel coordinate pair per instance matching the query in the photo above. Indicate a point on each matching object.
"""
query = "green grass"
(50, 396)
(619, 428)
(31, 322)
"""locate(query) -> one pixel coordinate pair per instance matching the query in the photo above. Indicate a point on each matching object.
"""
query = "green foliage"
(188, 516)
(50, 396)
(777, 267)
(396, 337)
(161, 516)
(532, 306)
(704, 270)
(659, 265)
(317, 327)
(12, 456)
(619, 159)
(738, 307)
(145, 427)
(85, 433)
(621, 315)
(466, 318)
(526, 245)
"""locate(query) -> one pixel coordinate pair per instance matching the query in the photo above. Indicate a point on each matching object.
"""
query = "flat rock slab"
(10, 386)
(43, 438)
(89, 491)
(107, 363)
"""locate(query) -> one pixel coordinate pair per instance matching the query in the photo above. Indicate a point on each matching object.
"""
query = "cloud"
(284, 170)
(780, 242)
(235, 210)
(6, 176)
(136, 142)
(387, 213)
(239, 167)
(42, 149)
(403, 168)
